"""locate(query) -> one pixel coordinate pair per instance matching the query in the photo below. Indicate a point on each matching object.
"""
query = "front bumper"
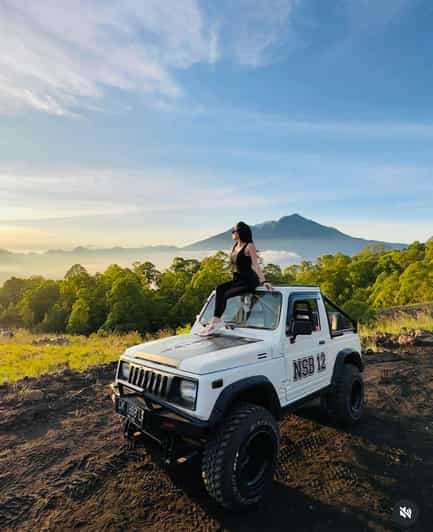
(156, 419)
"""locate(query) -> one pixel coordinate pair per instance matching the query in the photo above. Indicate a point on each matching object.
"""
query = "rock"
(406, 339)
(386, 340)
(53, 340)
(424, 340)
(33, 395)
(56, 386)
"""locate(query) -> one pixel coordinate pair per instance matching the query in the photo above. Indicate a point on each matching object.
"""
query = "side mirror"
(300, 327)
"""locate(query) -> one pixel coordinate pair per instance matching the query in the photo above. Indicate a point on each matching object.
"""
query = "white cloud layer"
(60, 57)
(262, 28)
(282, 258)
(28, 196)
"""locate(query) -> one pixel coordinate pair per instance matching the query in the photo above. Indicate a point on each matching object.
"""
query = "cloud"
(60, 57)
(262, 28)
(28, 196)
(242, 118)
(64, 57)
(282, 258)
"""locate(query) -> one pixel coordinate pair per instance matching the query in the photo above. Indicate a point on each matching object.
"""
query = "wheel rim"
(255, 462)
(356, 397)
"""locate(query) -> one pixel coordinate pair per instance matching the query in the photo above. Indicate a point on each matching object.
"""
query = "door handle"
(321, 342)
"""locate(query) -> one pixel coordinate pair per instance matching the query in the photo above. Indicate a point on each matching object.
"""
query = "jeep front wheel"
(347, 401)
(239, 461)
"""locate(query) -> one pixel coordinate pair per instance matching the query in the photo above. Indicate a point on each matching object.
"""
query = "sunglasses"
(234, 230)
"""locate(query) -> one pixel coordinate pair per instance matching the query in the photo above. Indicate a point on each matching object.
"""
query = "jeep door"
(306, 355)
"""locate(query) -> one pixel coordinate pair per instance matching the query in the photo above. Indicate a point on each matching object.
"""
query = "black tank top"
(243, 262)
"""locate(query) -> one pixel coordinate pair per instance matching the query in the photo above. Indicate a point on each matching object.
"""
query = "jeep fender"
(258, 390)
(346, 356)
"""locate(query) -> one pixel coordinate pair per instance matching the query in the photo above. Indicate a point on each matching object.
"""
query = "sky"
(144, 122)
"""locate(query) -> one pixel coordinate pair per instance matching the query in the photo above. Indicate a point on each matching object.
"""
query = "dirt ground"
(64, 465)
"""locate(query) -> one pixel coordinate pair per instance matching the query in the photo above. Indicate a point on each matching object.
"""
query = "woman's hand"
(267, 285)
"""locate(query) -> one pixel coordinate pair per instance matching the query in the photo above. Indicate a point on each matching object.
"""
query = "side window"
(305, 309)
(338, 321)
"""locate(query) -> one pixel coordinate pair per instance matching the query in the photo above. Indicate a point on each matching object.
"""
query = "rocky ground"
(63, 464)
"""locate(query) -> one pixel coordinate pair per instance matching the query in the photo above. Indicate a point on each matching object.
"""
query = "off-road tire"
(324, 403)
(346, 400)
(228, 459)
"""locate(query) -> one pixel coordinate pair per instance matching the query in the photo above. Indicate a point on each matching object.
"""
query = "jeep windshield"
(260, 310)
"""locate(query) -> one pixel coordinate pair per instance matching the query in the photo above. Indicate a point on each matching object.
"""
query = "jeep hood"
(195, 354)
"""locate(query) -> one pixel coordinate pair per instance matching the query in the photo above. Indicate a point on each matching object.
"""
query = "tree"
(385, 291)
(11, 317)
(290, 273)
(75, 278)
(149, 276)
(55, 319)
(416, 284)
(363, 266)
(188, 266)
(358, 310)
(429, 250)
(79, 320)
(334, 276)
(145, 299)
(213, 270)
(308, 273)
(128, 309)
(37, 301)
(12, 291)
(273, 273)
(413, 253)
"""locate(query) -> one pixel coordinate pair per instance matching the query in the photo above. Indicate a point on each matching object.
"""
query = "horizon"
(95, 247)
(130, 124)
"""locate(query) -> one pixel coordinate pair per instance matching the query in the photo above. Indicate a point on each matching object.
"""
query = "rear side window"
(306, 309)
(338, 321)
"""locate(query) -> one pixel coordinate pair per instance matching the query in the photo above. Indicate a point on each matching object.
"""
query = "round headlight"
(124, 371)
(188, 391)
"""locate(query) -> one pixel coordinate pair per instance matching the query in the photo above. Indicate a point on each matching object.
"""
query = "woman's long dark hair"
(244, 232)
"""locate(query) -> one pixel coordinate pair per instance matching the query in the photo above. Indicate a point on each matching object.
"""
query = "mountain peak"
(296, 234)
(295, 217)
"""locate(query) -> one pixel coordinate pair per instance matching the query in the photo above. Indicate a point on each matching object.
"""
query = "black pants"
(242, 283)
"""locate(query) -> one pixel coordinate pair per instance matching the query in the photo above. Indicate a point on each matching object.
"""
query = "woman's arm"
(252, 252)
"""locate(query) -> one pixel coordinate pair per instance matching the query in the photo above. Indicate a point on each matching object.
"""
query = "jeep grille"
(149, 381)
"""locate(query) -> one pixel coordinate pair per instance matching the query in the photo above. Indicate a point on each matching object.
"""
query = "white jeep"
(222, 395)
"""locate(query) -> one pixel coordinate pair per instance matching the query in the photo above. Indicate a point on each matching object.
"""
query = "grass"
(20, 357)
(394, 324)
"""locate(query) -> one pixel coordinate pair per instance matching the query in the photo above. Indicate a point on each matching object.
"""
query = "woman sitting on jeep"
(247, 275)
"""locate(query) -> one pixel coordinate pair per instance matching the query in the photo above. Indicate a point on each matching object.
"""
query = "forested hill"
(144, 299)
(297, 234)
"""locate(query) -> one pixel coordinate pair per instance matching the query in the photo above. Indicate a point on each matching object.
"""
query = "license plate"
(132, 411)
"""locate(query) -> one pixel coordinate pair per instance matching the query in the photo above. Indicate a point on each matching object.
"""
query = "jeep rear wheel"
(239, 461)
(347, 401)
